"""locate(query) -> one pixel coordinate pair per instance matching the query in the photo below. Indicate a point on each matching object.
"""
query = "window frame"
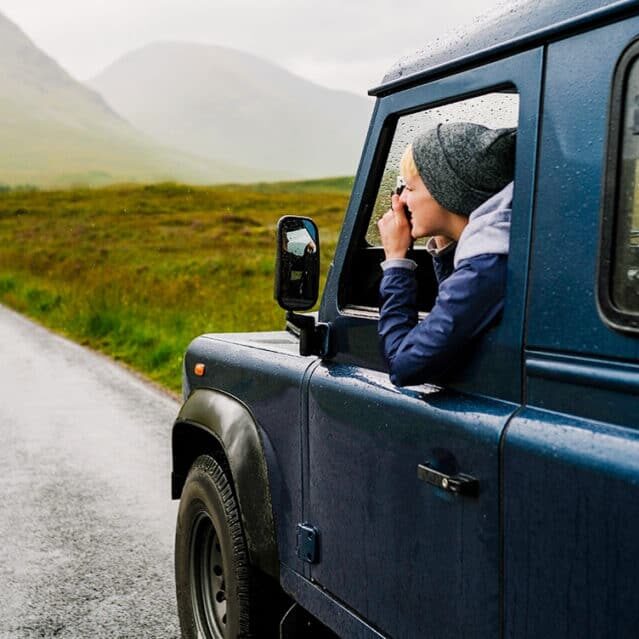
(387, 133)
(390, 129)
(613, 316)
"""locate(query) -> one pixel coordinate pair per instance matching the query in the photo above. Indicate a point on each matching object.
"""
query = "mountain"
(56, 131)
(221, 103)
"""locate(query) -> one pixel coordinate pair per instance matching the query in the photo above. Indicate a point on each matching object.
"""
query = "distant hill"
(225, 104)
(56, 131)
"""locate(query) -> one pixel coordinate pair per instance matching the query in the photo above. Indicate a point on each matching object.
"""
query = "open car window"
(494, 110)
(361, 281)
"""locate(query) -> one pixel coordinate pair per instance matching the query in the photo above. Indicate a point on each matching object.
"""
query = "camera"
(399, 187)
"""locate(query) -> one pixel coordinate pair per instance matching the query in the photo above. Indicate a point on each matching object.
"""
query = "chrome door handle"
(459, 484)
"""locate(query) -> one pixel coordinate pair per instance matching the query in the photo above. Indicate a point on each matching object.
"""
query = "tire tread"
(214, 470)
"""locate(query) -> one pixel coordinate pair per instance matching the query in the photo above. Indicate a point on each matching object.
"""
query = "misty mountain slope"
(56, 131)
(226, 104)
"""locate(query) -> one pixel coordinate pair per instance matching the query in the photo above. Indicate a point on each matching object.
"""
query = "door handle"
(459, 484)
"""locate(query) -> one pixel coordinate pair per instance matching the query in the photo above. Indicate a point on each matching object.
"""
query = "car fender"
(215, 423)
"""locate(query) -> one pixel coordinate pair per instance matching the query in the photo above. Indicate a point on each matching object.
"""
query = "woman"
(458, 192)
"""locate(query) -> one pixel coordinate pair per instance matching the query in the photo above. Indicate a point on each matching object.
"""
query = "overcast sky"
(344, 44)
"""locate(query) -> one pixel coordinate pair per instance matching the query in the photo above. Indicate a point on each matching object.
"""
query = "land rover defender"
(317, 499)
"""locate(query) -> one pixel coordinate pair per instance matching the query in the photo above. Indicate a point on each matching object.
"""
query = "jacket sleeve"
(469, 300)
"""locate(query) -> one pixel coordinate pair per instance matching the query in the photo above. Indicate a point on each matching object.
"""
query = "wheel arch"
(214, 423)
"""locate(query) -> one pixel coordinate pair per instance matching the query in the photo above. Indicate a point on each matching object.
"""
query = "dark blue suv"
(319, 500)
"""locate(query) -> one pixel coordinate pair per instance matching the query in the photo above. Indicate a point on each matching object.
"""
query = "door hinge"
(307, 543)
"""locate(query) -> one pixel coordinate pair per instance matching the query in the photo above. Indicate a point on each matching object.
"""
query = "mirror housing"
(297, 269)
(297, 264)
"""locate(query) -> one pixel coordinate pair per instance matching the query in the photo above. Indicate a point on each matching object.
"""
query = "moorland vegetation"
(138, 271)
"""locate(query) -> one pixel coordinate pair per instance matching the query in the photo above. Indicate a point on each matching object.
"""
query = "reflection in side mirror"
(297, 263)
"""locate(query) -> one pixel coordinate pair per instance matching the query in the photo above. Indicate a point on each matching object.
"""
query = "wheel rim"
(208, 588)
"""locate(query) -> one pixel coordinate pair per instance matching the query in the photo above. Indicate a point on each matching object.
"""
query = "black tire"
(212, 571)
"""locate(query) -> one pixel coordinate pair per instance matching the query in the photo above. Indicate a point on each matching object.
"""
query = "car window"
(625, 263)
(494, 110)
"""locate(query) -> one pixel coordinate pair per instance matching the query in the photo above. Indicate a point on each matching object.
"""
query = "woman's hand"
(394, 230)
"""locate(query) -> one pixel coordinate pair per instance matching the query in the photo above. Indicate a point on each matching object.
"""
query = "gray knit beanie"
(463, 164)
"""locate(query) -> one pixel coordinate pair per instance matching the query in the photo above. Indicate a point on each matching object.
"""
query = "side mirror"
(297, 263)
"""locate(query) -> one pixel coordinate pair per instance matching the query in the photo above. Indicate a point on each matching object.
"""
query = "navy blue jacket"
(472, 283)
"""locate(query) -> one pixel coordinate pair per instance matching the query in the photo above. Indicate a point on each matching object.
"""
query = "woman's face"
(428, 217)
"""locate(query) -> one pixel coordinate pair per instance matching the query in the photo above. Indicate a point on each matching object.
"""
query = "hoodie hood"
(488, 228)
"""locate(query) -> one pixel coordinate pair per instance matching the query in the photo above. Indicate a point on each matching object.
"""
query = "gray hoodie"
(488, 228)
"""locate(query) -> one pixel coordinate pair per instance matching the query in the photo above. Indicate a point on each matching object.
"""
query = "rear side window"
(619, 269)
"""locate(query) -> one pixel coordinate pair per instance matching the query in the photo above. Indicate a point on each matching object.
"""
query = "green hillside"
(217, 102)
(54, 154)
(54, 131)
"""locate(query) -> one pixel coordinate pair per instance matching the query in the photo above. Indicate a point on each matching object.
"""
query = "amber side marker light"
(199, 369)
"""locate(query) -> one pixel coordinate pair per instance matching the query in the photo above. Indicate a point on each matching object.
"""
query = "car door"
(396, 544)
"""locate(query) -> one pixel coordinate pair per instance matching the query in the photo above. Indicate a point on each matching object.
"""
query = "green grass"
(138, 271)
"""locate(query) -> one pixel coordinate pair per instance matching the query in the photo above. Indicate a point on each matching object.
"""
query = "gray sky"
(344, 44)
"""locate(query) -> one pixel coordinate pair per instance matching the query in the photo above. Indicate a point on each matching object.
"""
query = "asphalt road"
(86, 520)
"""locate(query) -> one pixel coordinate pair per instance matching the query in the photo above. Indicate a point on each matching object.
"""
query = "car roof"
(510, 27)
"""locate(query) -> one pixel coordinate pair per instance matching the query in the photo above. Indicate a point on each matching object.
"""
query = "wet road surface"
(86, 520)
